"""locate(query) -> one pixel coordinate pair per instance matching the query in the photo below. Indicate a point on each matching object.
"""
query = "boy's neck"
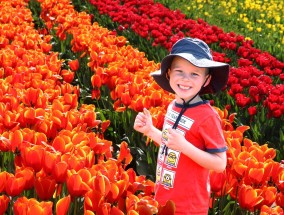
(195, 100)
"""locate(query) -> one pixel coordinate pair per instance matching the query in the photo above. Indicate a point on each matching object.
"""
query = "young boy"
(191, 142)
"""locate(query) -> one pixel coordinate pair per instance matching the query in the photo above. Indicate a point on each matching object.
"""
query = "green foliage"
(35, 8)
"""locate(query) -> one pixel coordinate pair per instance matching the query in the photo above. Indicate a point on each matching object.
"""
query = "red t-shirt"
(178, 178)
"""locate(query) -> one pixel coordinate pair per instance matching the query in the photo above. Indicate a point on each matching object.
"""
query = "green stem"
(75, 206)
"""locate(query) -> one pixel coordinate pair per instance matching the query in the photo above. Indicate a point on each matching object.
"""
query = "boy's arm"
(155, 134)
(211, 161)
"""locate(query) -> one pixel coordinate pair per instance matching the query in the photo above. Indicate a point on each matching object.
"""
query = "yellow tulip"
(277, 18)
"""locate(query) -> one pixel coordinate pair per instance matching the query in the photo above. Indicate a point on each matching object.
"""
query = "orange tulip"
(156, 99)
(96, 93)
(88, 212)
(59, 172)
(75, 185)
(28, 174)
(96, 81)
(74, 64)
(132, 212)
(4, 201)
(15, 185)
(93, 200)
(89, 117)
(71, 99)
(67, 75)
(124, 155)
(104, 125)
(31, 97)
(113, 193)
(16, 140)
(33, 157)
(45, 187)
(115, 211)
(239, 169)
(126, 99)
(104, 208)
(3, 180)
(249, 198)
(143, 209)
(46, 47)
(62, 205)
(167, 209)
(5, 143)
(101, 184)
(49, 161)
(131, 202)
(280, 180)
(255, 173)
(31, 206)
(269, 195)
(280, 199)
(267, 210)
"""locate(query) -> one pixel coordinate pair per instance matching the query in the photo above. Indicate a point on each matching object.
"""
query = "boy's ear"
(208, 79)
(167, 74)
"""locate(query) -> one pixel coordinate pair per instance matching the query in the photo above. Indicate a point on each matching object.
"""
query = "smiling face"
(186, 79)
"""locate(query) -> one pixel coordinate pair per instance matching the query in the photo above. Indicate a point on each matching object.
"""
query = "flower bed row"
(44, 121)
(263, 21)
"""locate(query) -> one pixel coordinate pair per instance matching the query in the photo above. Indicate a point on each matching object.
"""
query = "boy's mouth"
(183, 87)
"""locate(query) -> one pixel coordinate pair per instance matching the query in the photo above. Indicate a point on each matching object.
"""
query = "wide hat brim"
(219, 72)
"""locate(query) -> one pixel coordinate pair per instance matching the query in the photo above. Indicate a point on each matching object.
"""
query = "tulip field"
(74, 74)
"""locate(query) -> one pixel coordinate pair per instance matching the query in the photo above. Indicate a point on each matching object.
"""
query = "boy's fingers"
(146, 112)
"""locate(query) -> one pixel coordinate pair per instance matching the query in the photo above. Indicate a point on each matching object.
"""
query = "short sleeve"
(212, 134)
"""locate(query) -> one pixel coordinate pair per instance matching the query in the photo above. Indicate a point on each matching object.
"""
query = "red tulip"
(217, 181)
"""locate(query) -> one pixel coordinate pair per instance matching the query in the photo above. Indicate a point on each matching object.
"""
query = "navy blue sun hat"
(198, 53)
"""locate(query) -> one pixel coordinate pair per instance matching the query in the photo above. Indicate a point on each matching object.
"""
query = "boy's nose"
(186, 76)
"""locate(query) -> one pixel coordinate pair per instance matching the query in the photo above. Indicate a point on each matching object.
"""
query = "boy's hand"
(143, 122)
(175, 140)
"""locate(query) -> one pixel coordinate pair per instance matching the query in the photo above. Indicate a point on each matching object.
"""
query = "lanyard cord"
(184, 107)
